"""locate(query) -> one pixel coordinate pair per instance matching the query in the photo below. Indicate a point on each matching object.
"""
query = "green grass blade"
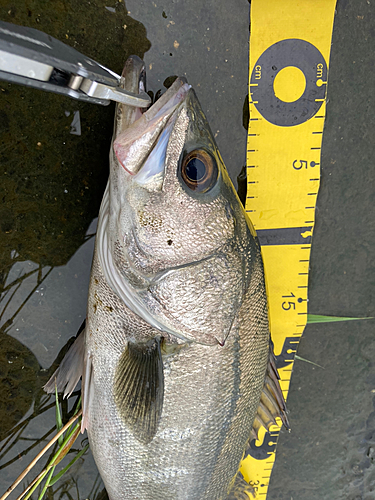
(59, 424)
(78, 407)
(47, 483)
(66, 445)
(317, 318)
(62, 472)
(31, 491)
(307, 361)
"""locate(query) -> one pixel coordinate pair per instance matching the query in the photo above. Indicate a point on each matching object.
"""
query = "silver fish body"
(177, 341)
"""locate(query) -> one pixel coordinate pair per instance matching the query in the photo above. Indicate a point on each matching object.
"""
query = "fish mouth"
(140, 149)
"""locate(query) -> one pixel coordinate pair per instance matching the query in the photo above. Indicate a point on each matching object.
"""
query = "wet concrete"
(51, 187)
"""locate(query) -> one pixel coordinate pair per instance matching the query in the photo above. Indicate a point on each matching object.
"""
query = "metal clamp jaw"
(33, 58)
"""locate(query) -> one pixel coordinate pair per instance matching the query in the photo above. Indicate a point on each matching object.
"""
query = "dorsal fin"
(139, 388)
(272, 402)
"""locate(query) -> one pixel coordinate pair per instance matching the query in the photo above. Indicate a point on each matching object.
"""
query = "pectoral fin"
(69, 372)
(139, 388)
(272, 402)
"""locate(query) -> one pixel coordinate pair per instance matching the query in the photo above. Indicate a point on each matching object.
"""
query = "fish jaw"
(133, 145)
(133, 79)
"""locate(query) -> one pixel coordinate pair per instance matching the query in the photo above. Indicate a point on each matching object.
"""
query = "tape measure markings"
(289, 59)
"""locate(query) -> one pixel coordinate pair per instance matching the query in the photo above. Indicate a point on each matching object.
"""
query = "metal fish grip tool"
(33, 58)
(290, 45)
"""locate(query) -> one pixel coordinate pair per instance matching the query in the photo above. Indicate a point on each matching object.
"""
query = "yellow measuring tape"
(290, 45)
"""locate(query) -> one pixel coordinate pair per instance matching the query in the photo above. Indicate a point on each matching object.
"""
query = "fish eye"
(199, 170)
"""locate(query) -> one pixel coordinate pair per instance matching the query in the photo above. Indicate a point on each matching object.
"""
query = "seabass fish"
(177, 370)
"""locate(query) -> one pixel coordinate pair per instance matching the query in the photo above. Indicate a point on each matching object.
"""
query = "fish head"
(177, 233)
